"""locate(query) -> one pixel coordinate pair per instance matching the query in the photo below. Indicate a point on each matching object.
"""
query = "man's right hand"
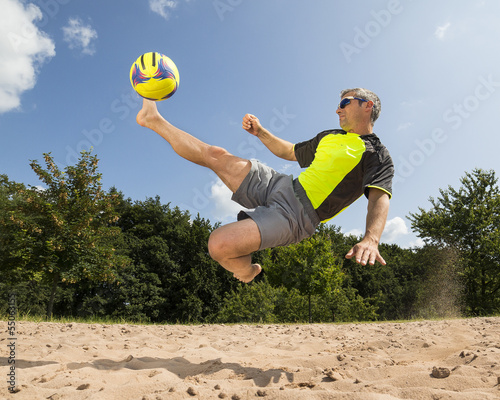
(252, 124)
(279, 147)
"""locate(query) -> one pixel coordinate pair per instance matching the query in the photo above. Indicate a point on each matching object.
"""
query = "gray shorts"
(279, 204)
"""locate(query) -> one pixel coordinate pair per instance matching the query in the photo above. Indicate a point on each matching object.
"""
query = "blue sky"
(64, 86)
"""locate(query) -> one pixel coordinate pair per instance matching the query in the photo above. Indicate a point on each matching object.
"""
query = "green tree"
(468, 220)
(136, 296)
(397, 283)
(309, 266)
(15, 245)
(371, 292)
(250, 303)
(62, 233)
(171, 248)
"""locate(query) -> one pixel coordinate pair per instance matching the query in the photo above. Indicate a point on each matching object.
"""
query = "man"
(341, 166)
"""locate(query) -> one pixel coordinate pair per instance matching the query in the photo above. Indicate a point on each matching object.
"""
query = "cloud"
(287, 168)
(23, 49)
(39, 188)
(80, 36)
(410, 104)
(163, 7)
(416, 243)
(441, 31)
(355, 232)
(394, 229)
(404, 126)
(225, 209)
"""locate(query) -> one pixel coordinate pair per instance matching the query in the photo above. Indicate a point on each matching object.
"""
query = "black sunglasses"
(347, 100)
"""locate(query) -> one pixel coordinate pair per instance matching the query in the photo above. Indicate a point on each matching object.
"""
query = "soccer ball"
(154, 76)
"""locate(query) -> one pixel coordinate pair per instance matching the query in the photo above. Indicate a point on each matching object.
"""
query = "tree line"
(73, 249)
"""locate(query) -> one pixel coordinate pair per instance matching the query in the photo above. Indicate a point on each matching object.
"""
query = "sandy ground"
(338, 361)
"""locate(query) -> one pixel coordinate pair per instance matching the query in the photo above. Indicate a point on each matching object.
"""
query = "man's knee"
(216, 245)
(215, 155)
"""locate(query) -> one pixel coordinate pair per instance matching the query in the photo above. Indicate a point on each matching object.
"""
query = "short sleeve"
(379, 172)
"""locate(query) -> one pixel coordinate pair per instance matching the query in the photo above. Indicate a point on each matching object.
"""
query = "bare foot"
(248, 275)
(148, 114)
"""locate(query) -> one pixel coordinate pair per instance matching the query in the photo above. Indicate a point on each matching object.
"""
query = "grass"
(79, 320)
(122, 321)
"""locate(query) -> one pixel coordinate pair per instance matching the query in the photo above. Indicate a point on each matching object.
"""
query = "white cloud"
(78, 35)
(287, 168)
(163, 7)
(416, 243)
(394, 229)
(225, 210)
(23, 49)
(395, 232)
(404, 126)
(441, 31)
(355, 232)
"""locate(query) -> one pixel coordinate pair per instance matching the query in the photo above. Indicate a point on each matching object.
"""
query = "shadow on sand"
(184, 368)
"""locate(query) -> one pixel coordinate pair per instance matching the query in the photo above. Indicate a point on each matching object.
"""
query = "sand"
(319, 361)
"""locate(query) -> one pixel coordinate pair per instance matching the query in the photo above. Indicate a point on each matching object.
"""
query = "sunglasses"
(347, 100)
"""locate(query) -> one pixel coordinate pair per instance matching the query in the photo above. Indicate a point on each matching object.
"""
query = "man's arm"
(279, 147)
(366, 251)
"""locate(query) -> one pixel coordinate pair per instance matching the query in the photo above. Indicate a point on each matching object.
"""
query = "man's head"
(368, 105)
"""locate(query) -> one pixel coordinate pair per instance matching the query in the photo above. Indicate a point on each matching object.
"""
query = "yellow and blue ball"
(154, 76)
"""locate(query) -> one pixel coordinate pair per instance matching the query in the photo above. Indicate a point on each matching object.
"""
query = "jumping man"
(340, 166)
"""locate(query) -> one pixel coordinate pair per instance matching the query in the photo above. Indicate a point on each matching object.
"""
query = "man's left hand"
(365, 252)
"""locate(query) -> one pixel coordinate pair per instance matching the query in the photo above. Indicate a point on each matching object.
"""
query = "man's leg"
(229, 168)
(231, 245)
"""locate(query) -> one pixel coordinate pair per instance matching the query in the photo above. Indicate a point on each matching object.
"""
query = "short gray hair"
(367, 95)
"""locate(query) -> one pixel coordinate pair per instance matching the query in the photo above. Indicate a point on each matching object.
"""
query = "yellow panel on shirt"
(341, 166)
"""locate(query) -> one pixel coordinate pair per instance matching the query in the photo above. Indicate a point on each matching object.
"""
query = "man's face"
(351, 114)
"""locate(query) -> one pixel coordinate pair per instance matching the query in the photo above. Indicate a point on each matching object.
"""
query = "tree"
(468, 220)
(63, 229)
(15, 245)
(171, 248)
(309, 266)
(250, 303)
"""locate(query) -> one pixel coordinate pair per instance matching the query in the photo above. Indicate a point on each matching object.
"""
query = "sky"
(64, 88)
